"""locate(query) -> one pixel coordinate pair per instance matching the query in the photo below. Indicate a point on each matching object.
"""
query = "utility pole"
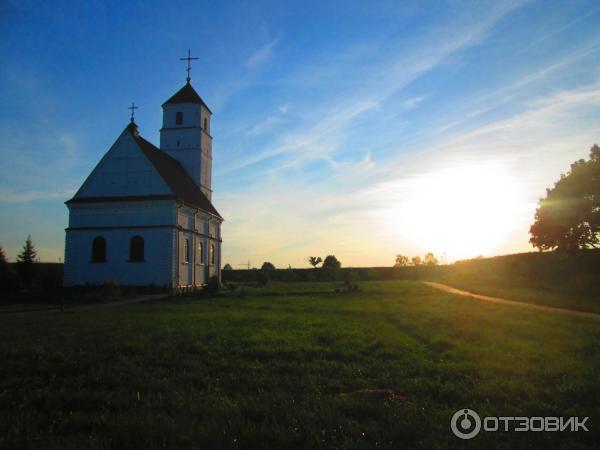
(247, 265)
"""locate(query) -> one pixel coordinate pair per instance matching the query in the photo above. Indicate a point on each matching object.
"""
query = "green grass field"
(287, 366)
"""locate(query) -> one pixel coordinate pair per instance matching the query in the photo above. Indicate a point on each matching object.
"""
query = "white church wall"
(124, 171)
(120, 221)
(201, 263)
(188, 142)
(196, 226)
(186, 267)
(156, 269)
(147, 213)
(191, 115)
(188, 138)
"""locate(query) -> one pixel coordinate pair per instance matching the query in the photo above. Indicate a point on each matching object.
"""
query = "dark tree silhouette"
(331, 262)
(26, 262)
(314, 260)
(29, 253)
(3, 259)
(267, 266)
(227, 267)
(569, 217)
(401, 261)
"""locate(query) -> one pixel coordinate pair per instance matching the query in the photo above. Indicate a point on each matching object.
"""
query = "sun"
(462, 211)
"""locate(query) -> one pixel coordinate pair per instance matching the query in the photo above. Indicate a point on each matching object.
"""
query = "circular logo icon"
(465, 423)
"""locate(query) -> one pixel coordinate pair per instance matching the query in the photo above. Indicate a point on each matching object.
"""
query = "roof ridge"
(162, 152)
(180, 183)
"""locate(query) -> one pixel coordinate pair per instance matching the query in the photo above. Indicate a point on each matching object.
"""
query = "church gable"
(124, 171)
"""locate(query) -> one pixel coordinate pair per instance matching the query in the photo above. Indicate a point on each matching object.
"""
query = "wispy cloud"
(7, 196)
(261, 56)
(558, 30)
(321, 134)
(265, 125)
(530, 148)
(37, 166)
(413, 102)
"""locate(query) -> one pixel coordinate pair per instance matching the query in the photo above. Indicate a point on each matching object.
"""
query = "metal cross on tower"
(132, 108)
(189, 59)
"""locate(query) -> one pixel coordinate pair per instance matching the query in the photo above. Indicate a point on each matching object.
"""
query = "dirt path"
(503, 301)
(76, 308)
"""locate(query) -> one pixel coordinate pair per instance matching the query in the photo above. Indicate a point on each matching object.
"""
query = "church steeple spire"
(185, 134)
(189, 60)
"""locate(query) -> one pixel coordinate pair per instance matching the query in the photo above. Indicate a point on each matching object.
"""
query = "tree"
(29, 253)
(314, 260)
(227, 267)
(430, 260)
(416, 261)
(26, 262)
(3, 259)
(267, 266)
(331, 262)
(401, 261)
(569, 217)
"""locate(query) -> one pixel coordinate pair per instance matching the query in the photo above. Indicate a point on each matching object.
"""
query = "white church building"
(144, 215)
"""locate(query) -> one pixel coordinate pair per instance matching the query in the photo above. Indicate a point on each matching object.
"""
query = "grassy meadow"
(294, 366)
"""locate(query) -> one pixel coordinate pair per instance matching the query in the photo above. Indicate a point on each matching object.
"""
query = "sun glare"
(458, 212)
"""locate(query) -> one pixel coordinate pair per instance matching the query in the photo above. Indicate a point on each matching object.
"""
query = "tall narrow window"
(201, 252)
(179, 118)
(136, 249)
(99, 250)
(186, 251)
(212, 254)
(206, 124)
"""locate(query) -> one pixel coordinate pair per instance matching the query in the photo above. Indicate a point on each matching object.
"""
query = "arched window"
(201, 252)
(136, 249)
(212, 254)
(186, 251)
(179, 118)
(99, 250)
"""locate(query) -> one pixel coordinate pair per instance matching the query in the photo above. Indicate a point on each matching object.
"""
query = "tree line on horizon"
(428, 260)
(330, 262)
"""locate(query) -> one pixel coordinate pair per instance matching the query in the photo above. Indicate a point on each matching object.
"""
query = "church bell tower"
(185, 133)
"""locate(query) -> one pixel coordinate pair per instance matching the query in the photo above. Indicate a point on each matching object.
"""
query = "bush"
(213, 285)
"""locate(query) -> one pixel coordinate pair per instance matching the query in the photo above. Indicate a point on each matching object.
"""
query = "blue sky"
(362, 129)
